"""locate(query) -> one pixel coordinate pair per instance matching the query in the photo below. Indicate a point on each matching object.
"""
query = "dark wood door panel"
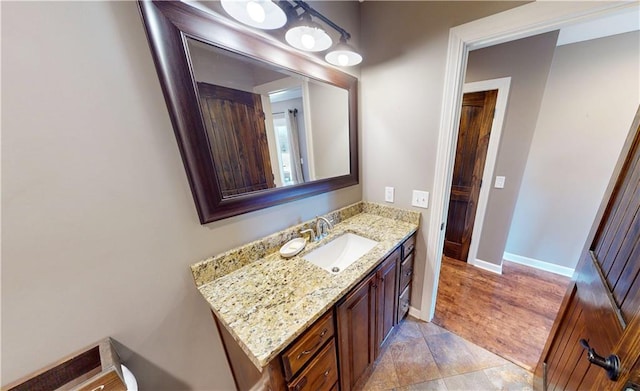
(624, 267)
(476, 119)
(592, 317)
(618, 205)
(387, 298)
(561, 350)
(235, 126)
(619, 248)
(356, 333)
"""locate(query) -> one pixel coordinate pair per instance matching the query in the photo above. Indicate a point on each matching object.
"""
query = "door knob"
(610, 364)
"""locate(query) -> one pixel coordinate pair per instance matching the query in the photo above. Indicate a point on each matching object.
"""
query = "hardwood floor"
(509, 314)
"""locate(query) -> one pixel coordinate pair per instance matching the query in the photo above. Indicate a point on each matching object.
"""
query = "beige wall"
(401, 98)
(527, 61)
(590, 99)
(98, 222)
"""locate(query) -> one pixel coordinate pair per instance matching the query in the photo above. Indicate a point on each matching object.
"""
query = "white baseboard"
(488, 266)
(535, 263)
(416, 313)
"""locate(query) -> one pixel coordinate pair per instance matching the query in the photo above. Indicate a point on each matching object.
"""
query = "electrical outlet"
(420, 199)
(499, 182)
(388, 193)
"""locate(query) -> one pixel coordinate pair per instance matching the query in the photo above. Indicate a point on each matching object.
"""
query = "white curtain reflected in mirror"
(289, 160)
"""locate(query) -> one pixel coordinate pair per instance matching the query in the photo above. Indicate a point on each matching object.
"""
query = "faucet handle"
(312, 234)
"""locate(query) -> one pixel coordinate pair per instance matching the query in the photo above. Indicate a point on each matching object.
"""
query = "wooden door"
(476, 119)
(603, 304)
(387, 298)
(356, 334)
(238, 138)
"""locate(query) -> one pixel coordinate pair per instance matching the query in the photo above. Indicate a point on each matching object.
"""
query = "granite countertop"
(265, 303)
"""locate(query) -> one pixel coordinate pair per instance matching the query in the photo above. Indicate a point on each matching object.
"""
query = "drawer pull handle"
(99, 388)
(408, 273)
(410, 248)
(314, 347)
(325, 376)
(301, 384)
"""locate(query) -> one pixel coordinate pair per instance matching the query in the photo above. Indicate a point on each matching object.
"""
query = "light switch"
(499, 182)
(388, 194)
(420, 199)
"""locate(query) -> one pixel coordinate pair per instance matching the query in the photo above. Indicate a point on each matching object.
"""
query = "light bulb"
(308, 41)
(343, 59)
(256, 12)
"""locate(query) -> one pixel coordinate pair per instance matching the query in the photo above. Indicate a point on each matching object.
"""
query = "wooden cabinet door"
(386, 303)
(476, 119)
(603, 305)
(356, 333)
(238, 138)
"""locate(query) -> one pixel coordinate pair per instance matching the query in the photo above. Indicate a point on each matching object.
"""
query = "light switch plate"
(499, 182)
(420, 199)
(388, 193)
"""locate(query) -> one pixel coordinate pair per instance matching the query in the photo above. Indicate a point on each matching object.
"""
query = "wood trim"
(97, 364)
(520, 22)
(168, 24)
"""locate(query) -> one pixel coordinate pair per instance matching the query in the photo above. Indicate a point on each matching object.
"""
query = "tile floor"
(424, 356)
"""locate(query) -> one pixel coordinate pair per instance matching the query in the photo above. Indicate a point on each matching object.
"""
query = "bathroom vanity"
(289, 324)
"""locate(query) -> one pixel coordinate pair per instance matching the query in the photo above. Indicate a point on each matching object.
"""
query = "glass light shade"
(263, 14)
(343, 55)
(308, 37)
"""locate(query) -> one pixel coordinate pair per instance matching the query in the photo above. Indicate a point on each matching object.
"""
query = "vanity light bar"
(303, 33)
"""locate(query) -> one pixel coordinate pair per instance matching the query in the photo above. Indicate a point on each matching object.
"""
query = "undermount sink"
(341, 252)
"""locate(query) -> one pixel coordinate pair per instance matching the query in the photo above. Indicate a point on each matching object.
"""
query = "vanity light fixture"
(263, 14)
(343, 54)
(303, 33)
(308, 36)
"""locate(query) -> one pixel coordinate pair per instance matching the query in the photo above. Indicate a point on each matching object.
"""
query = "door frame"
(502, 85)
(520, 22)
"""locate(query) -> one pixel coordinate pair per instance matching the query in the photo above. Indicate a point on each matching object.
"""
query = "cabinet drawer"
(307, 345)
(408, 246)
(321, 374)
(406, 272)
(403, 302)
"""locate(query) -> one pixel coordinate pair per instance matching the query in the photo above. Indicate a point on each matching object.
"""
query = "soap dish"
(293, 247)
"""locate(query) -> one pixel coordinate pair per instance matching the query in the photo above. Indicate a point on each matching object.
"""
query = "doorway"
(486, 169)
(520, 22)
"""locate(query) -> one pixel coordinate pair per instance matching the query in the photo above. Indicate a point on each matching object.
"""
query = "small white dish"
(293, 247)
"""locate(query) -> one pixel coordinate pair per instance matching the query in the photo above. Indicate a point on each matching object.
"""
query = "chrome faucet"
(323, 226)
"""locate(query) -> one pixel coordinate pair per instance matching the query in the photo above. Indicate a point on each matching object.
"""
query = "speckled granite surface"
(266, 301)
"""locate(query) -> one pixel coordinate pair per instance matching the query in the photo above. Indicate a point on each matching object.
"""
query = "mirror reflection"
(268, 127)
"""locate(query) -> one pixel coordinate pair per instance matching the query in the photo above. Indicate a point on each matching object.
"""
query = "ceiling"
(621, 22)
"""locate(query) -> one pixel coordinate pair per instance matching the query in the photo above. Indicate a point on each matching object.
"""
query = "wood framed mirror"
(228, 130)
